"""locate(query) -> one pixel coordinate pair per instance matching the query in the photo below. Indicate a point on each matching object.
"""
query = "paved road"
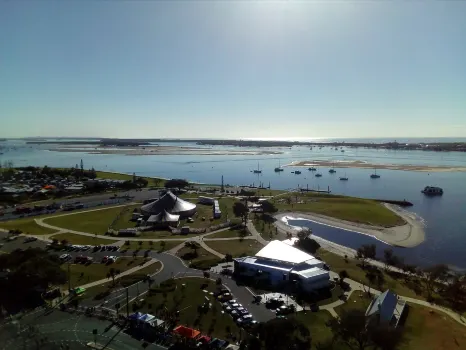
(64, 329)
(92, 201)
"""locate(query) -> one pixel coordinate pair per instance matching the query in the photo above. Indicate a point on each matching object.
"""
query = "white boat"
(432, 191)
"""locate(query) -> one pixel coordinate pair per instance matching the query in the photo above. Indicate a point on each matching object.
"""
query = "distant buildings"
(281, 264)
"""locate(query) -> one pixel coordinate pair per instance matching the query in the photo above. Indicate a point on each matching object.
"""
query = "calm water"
(445, 216)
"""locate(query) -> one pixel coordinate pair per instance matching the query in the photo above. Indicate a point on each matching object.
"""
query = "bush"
(164, 287)
(205, 264)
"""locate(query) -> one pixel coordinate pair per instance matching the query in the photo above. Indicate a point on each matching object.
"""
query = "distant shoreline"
(365, 165)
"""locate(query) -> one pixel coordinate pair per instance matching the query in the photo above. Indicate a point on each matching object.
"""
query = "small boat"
(375, 175)
(278, 169)
(312, 169)
(432, 191)
(258, 171)
(318, 175)
(344, 178)
(343, 150)
(297, 172)
(332, 171)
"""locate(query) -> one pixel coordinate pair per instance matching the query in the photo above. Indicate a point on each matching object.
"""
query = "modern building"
(386, 309)
(171, 204)
(279, 263)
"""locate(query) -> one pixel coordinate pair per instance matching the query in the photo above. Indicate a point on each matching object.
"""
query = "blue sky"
(232, 69)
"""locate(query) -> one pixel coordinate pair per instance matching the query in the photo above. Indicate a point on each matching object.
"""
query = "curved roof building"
(171, 204)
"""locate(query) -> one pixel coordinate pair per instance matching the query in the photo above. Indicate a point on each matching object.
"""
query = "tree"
(388, 258)
(434, 275)
(366, 252)
(111, 274)
(305, 232)
(455, 292)
(353, 330)
(64, 242)
(241, 210)
(343, 274)
(307, 244)
(176, 183)
(268, 207)
(280, 334)
(162, 245)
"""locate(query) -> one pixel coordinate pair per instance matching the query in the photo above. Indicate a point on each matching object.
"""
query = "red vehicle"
(22, 210)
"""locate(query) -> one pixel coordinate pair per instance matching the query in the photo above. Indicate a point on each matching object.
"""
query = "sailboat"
(344, 178)
(278, 169)
(332, 171)
(375, 175)
(258, 171)
(312, 169)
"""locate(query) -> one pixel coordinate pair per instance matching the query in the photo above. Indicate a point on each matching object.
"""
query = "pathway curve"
(256, 234)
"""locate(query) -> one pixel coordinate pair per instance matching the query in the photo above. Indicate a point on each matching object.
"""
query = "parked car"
(65, 257)
(104, 259)
(30, 239)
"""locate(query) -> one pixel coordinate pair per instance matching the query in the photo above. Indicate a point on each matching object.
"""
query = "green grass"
(205, 210)
(231, 232)
(98, 271)
(96, 221)
(155, 246)
(26, 225)
(123, 281)
(73, 238)
(153, 181)
(338, 263)
(203, 260)
(357, 301)
(316, 323)
(268, 192)
(431, 330)
(236, 247)
(186, 300)
(357, 210)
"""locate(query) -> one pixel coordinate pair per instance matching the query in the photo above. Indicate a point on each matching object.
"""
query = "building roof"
(163, 217)
(312, 272)
(384, 305)
(169, 203)
(186, 332)
(281, 251)
(284, 267)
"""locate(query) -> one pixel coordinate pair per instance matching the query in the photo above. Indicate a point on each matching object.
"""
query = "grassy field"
(232, 232)
(153, 181)
(338, 263)
(123, 281)
(83, 274)
(268, 192)
(423, 328)
(27, 225)
(187, 299)
(236, 247)
(82, 240)
(431, 330)
(205, 210)
(96, 221)
(346, 208)
(316, 322)
(154, 246)
(203, 260)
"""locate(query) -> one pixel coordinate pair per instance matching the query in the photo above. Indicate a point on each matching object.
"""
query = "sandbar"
(409, 235)
(159, 150)
(365, 165)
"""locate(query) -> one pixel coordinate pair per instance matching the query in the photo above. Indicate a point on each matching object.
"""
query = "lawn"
(95, 221)
(27, 225)
(316, 322)
(358, 300)
(154, 246)
(187, 296)
(231, 232)
(268, 192)
(153, 181)
(83, 274)
(73, 238)
(432, 330)
(124, 281)
(355, 272)
(236, 247)
(202, 259)
(205, 210)
(346, 208)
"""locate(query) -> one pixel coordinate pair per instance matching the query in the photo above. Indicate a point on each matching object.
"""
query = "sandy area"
(365, 165)
(408, 235)
(157, 150)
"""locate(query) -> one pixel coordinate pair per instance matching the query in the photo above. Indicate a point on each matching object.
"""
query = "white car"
(235, 305)
(112, 258)
(232, 301)
(65, 257)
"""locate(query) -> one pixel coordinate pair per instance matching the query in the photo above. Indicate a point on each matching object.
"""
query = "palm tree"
(111, 274)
